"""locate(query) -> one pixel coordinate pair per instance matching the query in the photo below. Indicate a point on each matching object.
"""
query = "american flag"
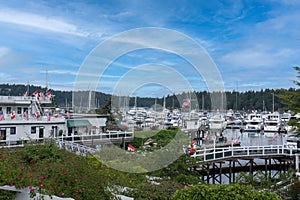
(26, 115)
(149, 141)
(48, 116)
(275, 136)
(186, 103)
(1, 115)
(236, 141)
(68, 115)
(194, 142)
(42, 96)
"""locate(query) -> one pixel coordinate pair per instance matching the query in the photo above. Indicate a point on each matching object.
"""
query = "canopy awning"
(78, 123)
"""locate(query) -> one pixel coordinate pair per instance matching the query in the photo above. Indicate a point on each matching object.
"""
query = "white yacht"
(272, 124)
(217, 122)
(285, 117)
(254, 122)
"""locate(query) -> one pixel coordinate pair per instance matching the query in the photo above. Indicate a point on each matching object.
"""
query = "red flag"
(12, 115)
(35, 93)
(49, 95)
(36, 114)
(56, 115)
(131, 148)
(192, 151)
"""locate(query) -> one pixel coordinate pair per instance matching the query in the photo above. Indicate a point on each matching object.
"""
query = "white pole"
(273, 102)
(297, 163)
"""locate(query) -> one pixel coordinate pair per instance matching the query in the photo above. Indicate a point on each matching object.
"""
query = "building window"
(13, 130)
(8, 110)
(19, 110)
(33, 129)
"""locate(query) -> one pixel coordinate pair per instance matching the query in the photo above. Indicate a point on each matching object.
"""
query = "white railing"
(11, 143)
(68, 145)
(12, 99)
(79, 149)
(21, 118)
(110, 135)
(209, 154)
(106, 137)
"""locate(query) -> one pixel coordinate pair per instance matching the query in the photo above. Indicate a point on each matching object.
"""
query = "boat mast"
(46, 79)
(27, 88)
(273, 103)
(236, 95)
(202, 102)
(135, 101)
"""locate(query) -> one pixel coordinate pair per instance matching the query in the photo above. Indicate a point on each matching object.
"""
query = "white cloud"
(4, 77)
(256, 57)
(75, 73)
(3, 51)
(40, 22)
(10, 58)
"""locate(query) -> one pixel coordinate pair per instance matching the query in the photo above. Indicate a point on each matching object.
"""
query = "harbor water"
(255, 138)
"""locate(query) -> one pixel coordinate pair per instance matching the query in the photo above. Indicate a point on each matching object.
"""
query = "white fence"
(211, 154)
(105, 137)
(76, 148)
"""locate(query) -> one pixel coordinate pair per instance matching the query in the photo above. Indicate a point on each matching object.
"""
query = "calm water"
(254, 139)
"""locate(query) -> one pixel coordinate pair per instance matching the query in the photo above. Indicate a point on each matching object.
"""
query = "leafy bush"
(49, 170)
(224, 192)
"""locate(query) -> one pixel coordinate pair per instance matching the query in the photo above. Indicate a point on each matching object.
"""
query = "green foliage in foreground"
(224, 192)
(7, 195)
(49, 170)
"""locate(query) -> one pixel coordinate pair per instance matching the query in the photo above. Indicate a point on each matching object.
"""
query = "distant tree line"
(261, 100)
(242, 101)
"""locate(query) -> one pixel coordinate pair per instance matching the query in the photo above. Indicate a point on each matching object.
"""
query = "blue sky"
(254, 44)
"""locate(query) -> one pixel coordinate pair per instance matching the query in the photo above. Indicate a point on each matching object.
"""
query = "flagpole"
(27, 87)
(46, 79)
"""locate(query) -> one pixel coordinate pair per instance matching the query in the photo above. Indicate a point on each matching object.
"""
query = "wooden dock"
(217, 163)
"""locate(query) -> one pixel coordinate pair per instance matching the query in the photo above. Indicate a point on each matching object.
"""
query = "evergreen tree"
(291, 99)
